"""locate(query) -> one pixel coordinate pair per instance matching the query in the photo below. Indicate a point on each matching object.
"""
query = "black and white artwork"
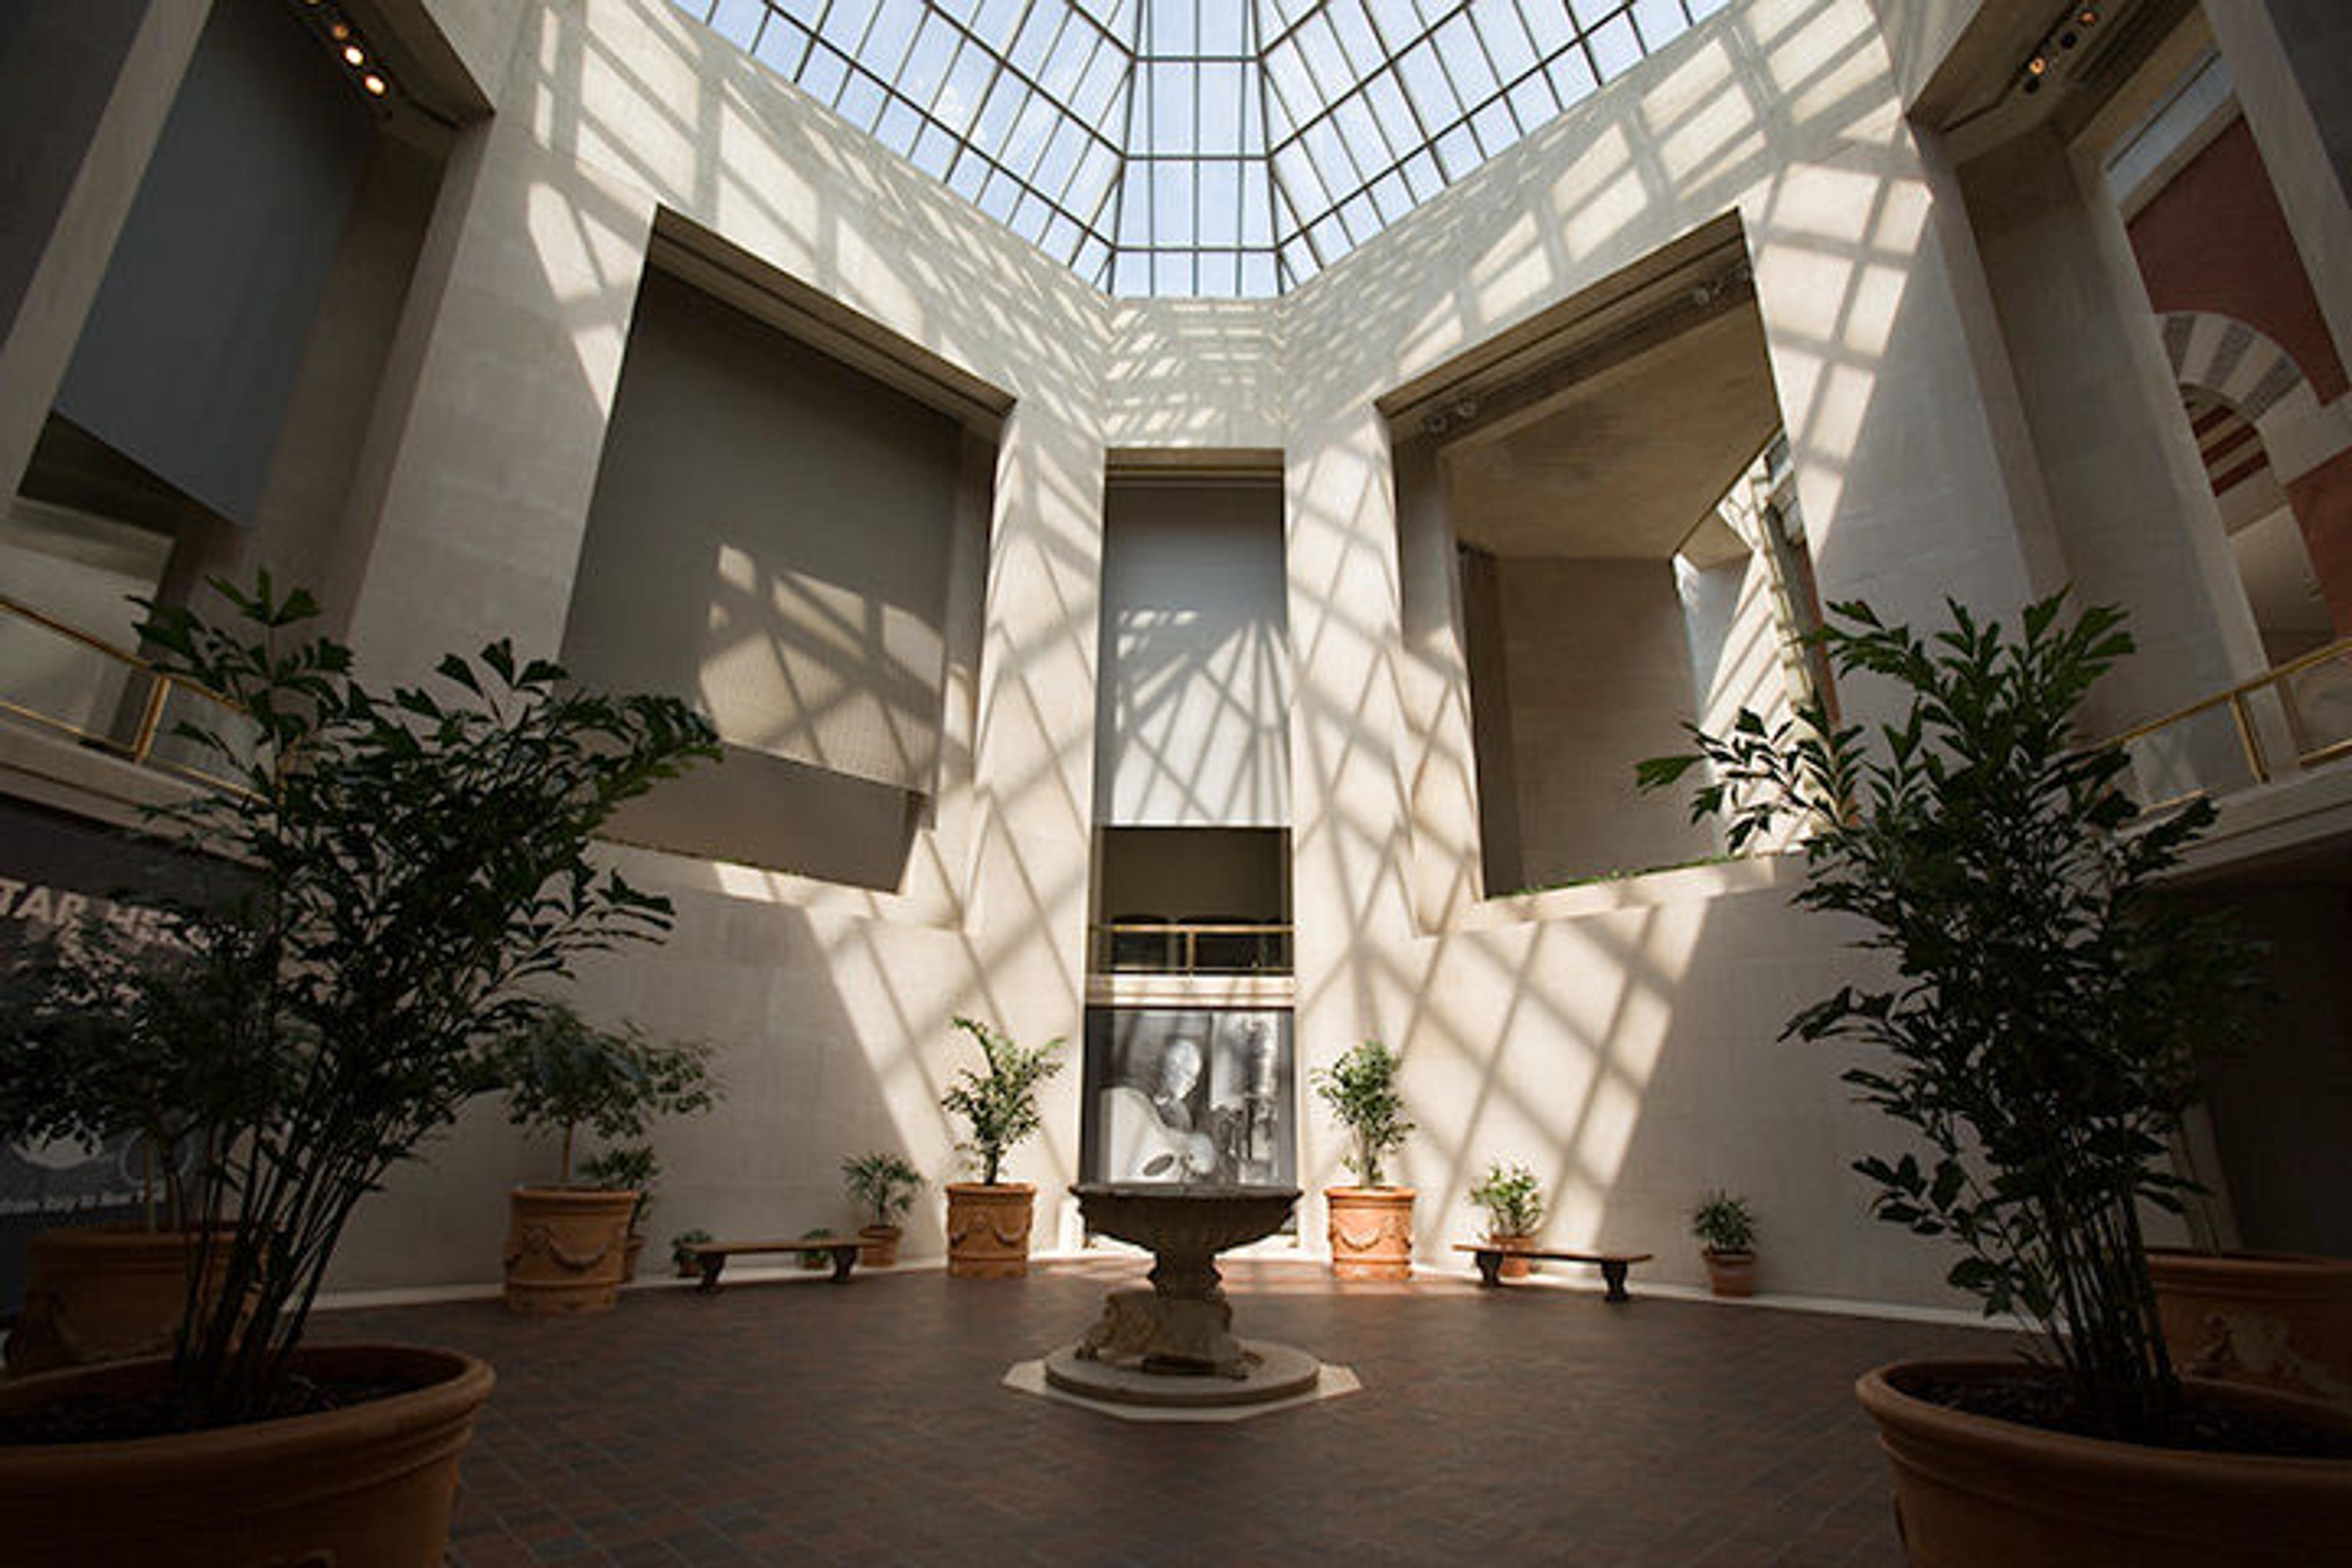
(1189, 1095)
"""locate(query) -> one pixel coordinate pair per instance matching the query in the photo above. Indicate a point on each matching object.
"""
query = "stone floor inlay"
(868, 1424)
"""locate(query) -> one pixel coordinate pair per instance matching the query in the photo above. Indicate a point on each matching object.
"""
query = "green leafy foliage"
(561, 1073)
(682, 1245)
(1000, 1105)
(884, 1184)
(1360, 1088)
(1724, 1223)
(1512, 1198)
(630, 1167)
(2043, 1035)
(411, 860)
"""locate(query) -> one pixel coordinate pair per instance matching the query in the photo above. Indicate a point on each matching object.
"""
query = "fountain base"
(1267, 1372)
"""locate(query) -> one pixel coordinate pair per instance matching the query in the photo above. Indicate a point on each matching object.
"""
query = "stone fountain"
(1172, 1344)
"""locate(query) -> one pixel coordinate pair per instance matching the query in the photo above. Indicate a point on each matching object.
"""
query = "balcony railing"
(2287, 719)
(61, 678)
(1142, 945)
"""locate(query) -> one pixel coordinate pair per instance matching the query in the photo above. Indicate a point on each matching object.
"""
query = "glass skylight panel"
(1209, 147)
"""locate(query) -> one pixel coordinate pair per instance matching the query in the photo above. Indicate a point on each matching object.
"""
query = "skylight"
(1216, 148)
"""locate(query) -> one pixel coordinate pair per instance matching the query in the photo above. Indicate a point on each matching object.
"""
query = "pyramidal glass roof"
(1198, 147)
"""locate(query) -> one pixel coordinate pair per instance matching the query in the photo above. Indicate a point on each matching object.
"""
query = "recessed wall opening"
(1193, 758)
(211, 415)
(1618, 506)
(795, 544)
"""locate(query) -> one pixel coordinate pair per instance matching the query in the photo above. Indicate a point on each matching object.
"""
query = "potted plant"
(89, 1051)
(1725, 1230)
(682, 1254)
(884, 1186)
(567, 1246)
(633, 1166)
(1514, 1203)
(988, 1220)
(410, 860)
(1371, 1223)
(2039, 1036)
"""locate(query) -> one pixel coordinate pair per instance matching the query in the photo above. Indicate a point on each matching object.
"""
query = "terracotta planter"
(1729, 1273)
(1371, 1232)
(1971, 1490)
(2276, 1320)
(631, 1251)
(988, 1229)
(366, 1487)
(103, 1292)
(1514, 1268)
(566, 1248)
(877, 1245)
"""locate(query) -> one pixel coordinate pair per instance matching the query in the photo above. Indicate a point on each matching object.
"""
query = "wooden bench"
(711, 1256)
(1612, 1264)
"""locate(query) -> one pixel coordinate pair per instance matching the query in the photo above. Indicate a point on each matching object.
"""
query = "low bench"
(711, 1256)
(1612, 1264)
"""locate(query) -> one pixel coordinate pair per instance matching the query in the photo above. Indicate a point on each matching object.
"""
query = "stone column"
(2291, 65)
(471, 501)
(2127, 494)
(89, 86)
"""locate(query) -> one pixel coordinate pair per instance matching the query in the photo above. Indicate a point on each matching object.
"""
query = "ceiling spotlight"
(2037, 66)
(373, 83)
(340, 31)
(354, 55)
(2087, 17)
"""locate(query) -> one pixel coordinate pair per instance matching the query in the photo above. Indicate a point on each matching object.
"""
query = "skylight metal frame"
(1010, 103)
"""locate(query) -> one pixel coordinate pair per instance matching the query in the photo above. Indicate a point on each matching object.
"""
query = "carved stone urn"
(1371, 1232)
(566, 1248)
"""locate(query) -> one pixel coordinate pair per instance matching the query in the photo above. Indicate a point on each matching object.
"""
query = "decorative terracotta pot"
(1729, 1273)
(1513, 1268)
(632, 1249)
(365, 1487)
(2276, 1319)
(1971, 1490)
(877, 1245)
(566, 1248)
(1371, 1232)
(104, 1292)
(988, 1229)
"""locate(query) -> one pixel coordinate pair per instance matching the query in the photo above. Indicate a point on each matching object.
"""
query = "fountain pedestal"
(1173, 1343)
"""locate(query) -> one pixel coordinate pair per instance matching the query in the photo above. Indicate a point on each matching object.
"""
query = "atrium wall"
(1617, 1036)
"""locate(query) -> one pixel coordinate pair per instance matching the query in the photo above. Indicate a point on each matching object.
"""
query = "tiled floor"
(865, 1424)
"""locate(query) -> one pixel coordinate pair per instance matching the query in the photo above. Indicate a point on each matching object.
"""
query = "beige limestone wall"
(1617, 1038)
(830, 1007)
(1621, 1040)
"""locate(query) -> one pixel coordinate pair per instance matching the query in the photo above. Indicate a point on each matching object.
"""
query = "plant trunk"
(566, 1179)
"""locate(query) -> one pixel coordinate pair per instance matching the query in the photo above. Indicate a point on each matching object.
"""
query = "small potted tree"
(408, 860)
(1372, 1223)
(1725, 1227)
(684, 1261)
(567, 1247)
(1514, 1203)
(2039, 1036)
(989, 1220)
(634, 1167)
(91, 1047)
(883, 1186)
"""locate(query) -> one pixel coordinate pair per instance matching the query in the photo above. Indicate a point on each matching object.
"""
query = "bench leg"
(1613, 1275)
(1490, 1267)
(843, 1258)
(713, 1262)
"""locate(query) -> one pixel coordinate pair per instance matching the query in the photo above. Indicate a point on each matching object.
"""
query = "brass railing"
(2311, 739)
(1190, 947)
(128, 721)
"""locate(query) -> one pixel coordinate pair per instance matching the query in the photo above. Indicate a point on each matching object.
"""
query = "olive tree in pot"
(2039, 1037)
(1372, 1223)
(1725, 1227)
(412, 860)
(567, 1244)
(988, 1220)
(91, 1032)
(1514, 1203)
(883, 1186)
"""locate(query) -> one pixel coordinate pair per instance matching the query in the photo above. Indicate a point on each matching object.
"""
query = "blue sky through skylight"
(1219, 148)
